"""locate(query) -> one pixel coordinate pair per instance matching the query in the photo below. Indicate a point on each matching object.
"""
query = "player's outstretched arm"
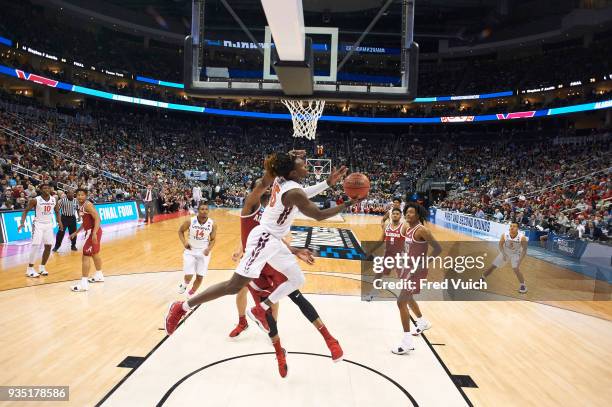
(31, 205)
(335, 176)
(297, 197)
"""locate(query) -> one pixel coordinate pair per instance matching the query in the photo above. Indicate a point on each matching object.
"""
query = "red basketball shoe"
(258, 315)
(175, 314)
(281, 358)
(241, 326)
(336, 351)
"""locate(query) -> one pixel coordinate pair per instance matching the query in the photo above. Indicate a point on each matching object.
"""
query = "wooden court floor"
(517, 352)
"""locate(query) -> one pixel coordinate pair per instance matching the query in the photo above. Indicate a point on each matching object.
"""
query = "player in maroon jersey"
(394, 244)
(417, 241)
(93, 231)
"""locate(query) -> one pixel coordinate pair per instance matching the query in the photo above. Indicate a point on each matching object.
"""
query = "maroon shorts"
(89, 249)
(267, 282)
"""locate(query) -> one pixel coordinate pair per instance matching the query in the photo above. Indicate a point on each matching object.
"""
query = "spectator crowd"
(536, 177)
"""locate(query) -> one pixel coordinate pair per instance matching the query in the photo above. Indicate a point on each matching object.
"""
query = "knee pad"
(305, 306)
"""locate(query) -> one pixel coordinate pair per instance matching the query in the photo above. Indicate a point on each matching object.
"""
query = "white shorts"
(262, 248)
(195, 263)
(42, 233)
(512, 258)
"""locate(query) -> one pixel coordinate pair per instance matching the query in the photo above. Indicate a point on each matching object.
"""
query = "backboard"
(363, 50)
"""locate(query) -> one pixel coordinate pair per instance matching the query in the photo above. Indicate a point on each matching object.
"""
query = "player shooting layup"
(264, 244)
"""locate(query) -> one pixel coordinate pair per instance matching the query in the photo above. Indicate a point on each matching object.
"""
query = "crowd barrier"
(110, 213)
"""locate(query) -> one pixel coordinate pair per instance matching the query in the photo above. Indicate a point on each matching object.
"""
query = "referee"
(68, 211)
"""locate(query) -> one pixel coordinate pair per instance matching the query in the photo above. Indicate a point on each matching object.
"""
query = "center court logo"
(327, 242)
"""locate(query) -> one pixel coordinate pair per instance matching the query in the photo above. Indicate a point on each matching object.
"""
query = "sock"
(264, 306)
(277, 346)
(326, 335)
(84, 282)
(41, 267)
(242, 320)
(98, 274)
(186, 307)
(420, 320)
(407, 340)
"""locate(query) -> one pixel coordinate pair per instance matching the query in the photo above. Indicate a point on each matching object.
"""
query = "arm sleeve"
(316, 189)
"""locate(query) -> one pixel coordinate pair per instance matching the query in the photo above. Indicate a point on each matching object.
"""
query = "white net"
(305, 115)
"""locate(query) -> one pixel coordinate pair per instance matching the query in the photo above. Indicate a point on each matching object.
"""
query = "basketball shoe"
(258, 315)
(242, 325)
(42, 270)
(337, 354)
(522, 289)
(30, 272)
(174, 316)
(281, 359)
(405, 345)
(421, 325)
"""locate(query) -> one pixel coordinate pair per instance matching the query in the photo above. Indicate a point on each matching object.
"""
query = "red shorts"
(267, 282)
(89, 249)
(415, 277)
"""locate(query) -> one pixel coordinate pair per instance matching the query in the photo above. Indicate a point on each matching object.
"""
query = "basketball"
(357, 185)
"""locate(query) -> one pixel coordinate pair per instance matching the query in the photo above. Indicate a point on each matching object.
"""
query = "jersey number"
(199, 234)
(47, 208)
(275, 191)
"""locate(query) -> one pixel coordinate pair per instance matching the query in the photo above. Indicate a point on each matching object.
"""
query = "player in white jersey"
(264, 244)
(202, 233)
(512, 248)
(42, 228)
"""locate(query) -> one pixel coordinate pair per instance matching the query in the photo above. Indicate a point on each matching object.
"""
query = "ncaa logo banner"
(327, 242)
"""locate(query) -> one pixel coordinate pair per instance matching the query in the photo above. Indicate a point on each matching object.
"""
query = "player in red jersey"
(418, 239)
(91, 249)
(394, 244)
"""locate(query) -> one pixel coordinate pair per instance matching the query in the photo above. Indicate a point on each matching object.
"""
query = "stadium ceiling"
(463, 21)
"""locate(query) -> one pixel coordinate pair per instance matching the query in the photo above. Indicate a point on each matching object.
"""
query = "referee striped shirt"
(68, 207)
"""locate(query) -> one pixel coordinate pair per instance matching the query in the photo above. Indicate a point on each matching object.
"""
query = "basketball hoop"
(317, 170)
(305, 115)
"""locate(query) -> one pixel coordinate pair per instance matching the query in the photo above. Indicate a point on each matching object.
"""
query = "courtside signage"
(109, 213)
(470, 224)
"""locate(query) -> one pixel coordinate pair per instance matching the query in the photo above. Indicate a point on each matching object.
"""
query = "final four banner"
(110, 213)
